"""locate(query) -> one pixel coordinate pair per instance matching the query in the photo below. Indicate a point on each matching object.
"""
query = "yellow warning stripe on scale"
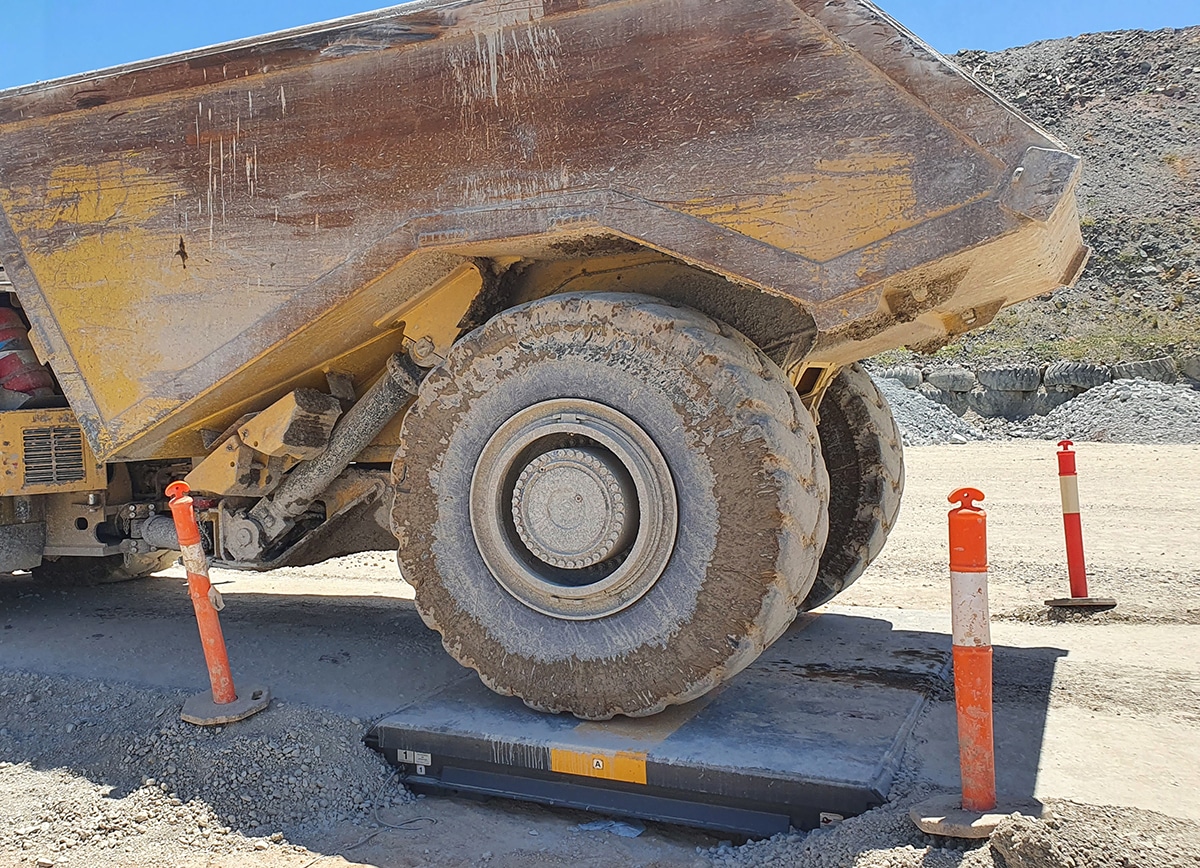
(622, 765)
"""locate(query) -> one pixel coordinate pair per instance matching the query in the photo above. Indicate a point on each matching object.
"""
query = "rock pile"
(1120, 411)
(1047, 79)
(1088, 835)
(1129, 104)
(923, 422)
(1023, 390)
(96, 819)
(1123, 411)
(1074, 836)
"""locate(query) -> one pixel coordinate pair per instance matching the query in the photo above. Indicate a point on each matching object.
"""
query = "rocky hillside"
(1129, 103)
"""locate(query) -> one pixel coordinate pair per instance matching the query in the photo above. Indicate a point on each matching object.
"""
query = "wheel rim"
(573, 509)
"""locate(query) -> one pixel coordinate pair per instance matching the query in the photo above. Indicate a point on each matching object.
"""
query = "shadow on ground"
(124, 657)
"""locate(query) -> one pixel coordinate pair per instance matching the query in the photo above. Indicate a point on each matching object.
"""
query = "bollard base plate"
(1082, 603)
(202, 711)
(945, 815)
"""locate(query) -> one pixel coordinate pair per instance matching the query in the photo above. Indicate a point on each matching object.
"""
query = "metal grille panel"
(53, 455)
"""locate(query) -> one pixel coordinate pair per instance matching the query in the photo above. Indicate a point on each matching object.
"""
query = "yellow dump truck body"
(195, 236)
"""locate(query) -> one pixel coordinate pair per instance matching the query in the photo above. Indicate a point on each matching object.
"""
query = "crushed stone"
(271, 779)
(882, 838)
(923, 422)
(1074, 836)
(1097, 837)
(1123, 411)
(44, 827)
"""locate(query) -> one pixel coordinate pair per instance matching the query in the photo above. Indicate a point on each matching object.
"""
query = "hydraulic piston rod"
(251, 533)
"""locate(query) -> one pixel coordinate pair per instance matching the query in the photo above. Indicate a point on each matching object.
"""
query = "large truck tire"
(1161, 370)
(951, 379)
(908, 376)
(608, 504)
(860, 443)
(103, 570)
(1076, 375)
(1010, 378)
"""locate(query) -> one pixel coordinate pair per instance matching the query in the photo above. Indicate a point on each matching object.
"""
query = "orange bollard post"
(223, 705)
(1068, 483)
(975, 814)
(972, 638)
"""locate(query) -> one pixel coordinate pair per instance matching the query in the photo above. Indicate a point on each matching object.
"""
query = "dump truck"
(563, 300)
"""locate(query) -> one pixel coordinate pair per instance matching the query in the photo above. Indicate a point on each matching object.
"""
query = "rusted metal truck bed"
(195, 236)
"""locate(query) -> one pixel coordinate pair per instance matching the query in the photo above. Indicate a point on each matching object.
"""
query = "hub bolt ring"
(569, 508)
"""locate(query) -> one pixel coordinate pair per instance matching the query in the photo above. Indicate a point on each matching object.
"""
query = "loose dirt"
(98, 771)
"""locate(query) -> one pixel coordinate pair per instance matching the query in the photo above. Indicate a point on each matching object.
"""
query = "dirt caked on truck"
(562, 299)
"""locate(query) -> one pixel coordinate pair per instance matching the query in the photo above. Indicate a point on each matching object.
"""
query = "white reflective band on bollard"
(194, 559)
(969, 609)
(1068, 487)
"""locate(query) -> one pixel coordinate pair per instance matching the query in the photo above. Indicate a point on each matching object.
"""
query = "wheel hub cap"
(569, 508)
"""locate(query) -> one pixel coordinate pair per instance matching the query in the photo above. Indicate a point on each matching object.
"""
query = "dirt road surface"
(96, 769)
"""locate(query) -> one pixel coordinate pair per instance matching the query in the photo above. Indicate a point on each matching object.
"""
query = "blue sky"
(49, 38)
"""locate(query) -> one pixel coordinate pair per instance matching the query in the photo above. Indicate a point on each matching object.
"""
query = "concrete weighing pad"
(814, 730)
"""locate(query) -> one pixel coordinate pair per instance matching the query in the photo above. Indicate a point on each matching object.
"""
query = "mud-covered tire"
(930, 392)
(956, 402)
(1003, 403)
(750, 485)
(1010, 378)
(860, 442)
(102, 570)
(1190, 368)
(1046, 400)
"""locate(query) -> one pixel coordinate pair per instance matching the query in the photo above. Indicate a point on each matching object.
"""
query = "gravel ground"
(1076, 836)
(1139, 506)
(1084, 835)
(57, 817)
(99, 773)
(291, 772)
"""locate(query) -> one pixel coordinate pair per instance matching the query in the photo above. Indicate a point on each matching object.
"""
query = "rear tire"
(686, 425)
(860, 443)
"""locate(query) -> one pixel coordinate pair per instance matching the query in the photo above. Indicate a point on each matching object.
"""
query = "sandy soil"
(1139, 507)
(96, 771)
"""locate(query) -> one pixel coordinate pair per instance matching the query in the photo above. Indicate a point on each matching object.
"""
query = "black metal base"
(1082, 603)
(787, 743)
(647, 803)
